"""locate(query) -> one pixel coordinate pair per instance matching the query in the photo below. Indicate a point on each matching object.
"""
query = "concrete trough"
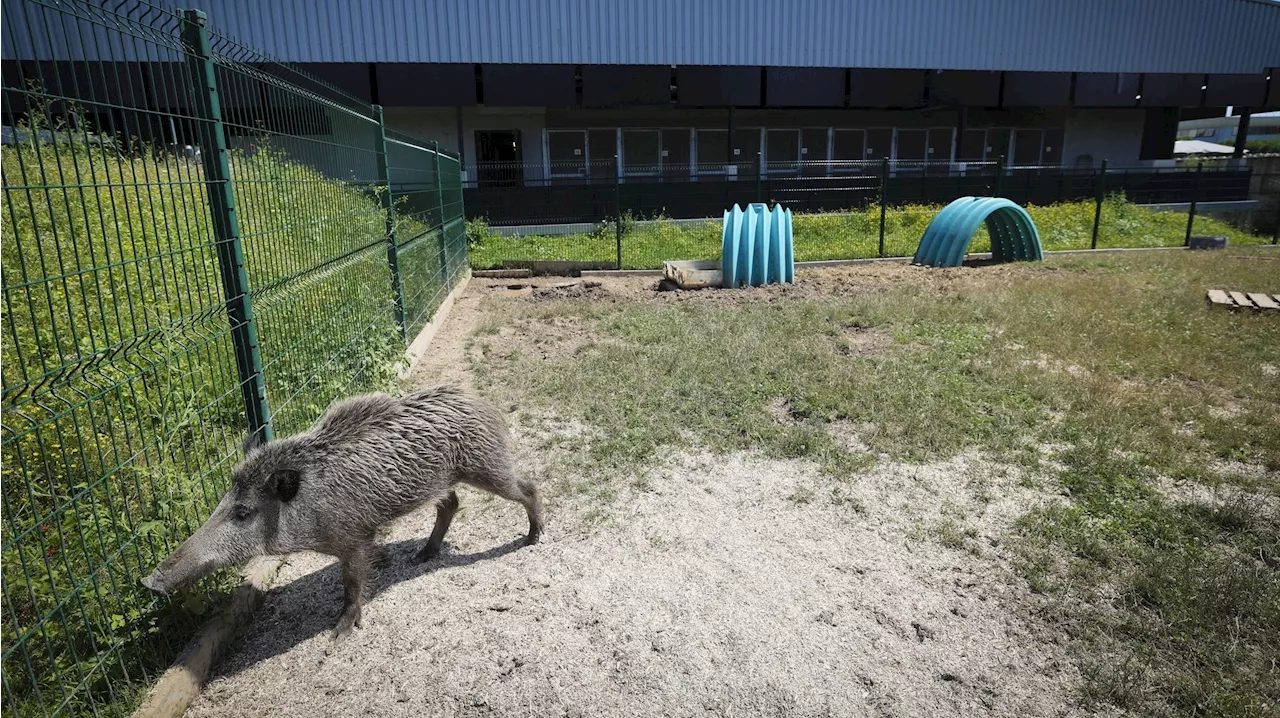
(694, 274)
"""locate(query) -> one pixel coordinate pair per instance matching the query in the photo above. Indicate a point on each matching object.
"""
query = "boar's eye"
(240, 513)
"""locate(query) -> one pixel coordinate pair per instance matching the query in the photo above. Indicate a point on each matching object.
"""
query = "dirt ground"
(721, 587)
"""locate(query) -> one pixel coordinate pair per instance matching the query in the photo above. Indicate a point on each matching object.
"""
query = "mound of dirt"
(570, 290)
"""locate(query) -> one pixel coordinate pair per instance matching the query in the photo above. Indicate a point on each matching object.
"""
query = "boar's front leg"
(357, 567)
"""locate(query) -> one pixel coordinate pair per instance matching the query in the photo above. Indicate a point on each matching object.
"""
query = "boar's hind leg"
(444, 516)
(507, 484)
(356, 569)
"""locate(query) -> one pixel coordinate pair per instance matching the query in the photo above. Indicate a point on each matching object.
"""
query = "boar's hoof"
(350, 618)
(428, 552)
(532, 539)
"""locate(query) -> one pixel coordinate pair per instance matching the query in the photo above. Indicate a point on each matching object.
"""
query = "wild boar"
(367, 461)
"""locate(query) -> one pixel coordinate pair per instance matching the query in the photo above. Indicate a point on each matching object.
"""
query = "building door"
(498, 158)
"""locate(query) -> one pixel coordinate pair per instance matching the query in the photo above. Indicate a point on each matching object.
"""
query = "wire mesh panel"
(430, 235)
(121, 399)
(636, 216)
(304, 172)
(195, 243)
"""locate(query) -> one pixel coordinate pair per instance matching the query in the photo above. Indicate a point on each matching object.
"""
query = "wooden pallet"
(1256, 301)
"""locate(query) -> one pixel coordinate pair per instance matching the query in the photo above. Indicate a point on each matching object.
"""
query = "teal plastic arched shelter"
(1013, 234)
(756, 246)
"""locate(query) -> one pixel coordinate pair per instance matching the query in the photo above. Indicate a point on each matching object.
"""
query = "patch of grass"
(846, 235)
(953, 535)
(1174, 604)
(123, 411)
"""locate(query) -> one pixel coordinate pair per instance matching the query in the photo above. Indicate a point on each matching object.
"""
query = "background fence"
(197, 242)
(848, 209)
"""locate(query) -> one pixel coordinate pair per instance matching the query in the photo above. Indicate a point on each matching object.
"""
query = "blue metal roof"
(1212, 36)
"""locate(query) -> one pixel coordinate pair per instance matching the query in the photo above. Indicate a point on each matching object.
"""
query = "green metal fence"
(198, 242)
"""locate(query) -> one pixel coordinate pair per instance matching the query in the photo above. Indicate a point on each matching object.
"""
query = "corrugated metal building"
(650, 84)
(560, 84)
(1159, 36)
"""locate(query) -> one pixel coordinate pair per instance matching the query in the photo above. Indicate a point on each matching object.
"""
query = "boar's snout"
(154, 585)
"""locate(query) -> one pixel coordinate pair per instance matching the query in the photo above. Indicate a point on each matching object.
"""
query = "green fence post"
(999, 181)
(617, 206)
(1099, 196)
(444, 254)
(1191, 212)
(388, 206)
(212, 140)
(884, 197)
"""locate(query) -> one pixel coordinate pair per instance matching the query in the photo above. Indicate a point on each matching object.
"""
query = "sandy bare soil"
(722, 586)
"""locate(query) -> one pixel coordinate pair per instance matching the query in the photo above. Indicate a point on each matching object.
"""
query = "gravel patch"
(710, 591)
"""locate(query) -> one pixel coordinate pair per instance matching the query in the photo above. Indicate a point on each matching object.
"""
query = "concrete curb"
(418, 347)
(181, 683)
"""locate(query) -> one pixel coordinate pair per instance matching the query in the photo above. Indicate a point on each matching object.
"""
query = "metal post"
(388, 207)
(1097, 204)
(212, 139)
(1191, 213)
(999, 181)
(617, 206)
(759, 172)
(884, 197)
(1242, 134)
(444, 255)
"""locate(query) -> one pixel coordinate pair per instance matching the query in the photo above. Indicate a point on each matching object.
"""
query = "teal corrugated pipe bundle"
(756, 247)
(946, 240)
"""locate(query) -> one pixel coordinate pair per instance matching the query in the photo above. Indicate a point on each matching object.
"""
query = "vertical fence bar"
(884, 198)
(444, 254)
(998, 182)
(212, 140)
(759, 174)
(388, 206)
(1191, 212)
(617, 206)
(1099, 196)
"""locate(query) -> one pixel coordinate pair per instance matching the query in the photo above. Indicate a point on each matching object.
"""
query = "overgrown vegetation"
(845, 235)
(1154, 418)
(1260, 147)
(123, 411)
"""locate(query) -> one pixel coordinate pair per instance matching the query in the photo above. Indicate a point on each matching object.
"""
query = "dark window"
(713, 149)
(641, 151)
(879, 143)
(911, 146)
(498, 157)
(972, 146)
(567, 152)
(997, 145)
(782, 150)
(939, 144)
(675, 153)
(1052, 154)
(1026, 147)
(813, 151)
(602, 147)
(746, 144)
(847, 146)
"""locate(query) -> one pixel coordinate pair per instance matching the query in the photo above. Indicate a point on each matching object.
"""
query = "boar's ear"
(252, 440)
(285, 482)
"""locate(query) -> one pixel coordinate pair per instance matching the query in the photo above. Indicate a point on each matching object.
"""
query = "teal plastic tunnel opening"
(946, 240)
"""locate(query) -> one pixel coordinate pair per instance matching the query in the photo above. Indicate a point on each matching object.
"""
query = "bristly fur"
(367, 461)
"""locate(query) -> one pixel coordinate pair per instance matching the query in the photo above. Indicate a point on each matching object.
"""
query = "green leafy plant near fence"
(845, 235)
